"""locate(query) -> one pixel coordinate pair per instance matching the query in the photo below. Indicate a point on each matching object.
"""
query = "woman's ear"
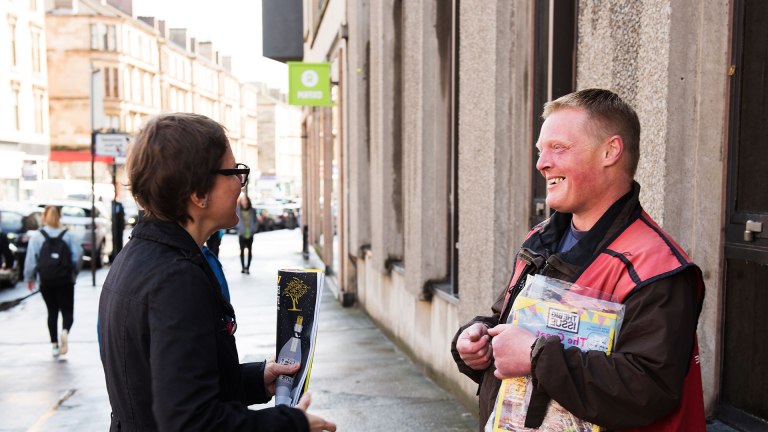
(200, 201)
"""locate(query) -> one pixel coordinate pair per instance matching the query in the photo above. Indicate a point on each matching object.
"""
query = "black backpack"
(54, 264)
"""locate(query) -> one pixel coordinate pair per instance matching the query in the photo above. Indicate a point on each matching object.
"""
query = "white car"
(76, 216)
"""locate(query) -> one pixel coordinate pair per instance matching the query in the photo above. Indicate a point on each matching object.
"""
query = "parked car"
(76, 216)
(275, 216)
(17, 221)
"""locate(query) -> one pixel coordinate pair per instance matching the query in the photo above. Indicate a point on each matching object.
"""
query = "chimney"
(125, 6)
(206, 50)
(161, 28)
(150, 21)
(226, 62)
(193, 43)
(179, 37)
(64, 4)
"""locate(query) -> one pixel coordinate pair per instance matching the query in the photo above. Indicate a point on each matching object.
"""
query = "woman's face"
(222, 200)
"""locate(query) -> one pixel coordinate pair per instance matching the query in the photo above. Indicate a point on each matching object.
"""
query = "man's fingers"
(475, 332)
(494, 331)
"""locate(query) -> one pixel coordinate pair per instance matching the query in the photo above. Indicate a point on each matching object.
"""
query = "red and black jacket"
(652, 381)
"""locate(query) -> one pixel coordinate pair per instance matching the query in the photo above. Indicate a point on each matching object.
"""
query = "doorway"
(743, 399)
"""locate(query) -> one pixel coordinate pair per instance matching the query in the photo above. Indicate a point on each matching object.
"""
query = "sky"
(234, 27)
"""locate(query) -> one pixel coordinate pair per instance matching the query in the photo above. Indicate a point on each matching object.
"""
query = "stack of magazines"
(581, 317)
(298, 303)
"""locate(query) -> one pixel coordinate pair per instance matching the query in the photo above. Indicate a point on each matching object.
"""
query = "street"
(359, 380)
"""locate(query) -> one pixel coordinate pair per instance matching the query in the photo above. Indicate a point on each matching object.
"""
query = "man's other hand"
(474, 346)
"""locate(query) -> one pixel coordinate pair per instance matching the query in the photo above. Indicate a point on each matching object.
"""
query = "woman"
(57, 276)
(166, 330)
(246, 228)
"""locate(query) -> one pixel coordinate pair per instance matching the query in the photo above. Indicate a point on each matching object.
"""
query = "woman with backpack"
(52, 255)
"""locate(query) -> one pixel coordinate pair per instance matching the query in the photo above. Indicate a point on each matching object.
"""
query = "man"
(599, 237)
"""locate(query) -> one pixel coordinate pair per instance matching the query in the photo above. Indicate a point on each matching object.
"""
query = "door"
(744, 399)
(554, 48)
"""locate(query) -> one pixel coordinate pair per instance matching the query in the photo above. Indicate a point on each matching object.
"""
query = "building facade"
(62, 57)
(437, 111)
(24, 121)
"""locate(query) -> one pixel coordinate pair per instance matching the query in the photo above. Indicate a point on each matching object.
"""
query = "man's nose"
(543, 161)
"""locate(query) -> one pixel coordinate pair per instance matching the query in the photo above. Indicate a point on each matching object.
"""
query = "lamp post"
(94, 100)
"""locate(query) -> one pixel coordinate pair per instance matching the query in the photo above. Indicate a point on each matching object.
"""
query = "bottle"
(289, 354)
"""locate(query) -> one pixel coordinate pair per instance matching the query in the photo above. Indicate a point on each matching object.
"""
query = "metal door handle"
(752, 228)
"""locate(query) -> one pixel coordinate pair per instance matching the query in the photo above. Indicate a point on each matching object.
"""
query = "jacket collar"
(174, 235)
(167, 233)
(572, 263)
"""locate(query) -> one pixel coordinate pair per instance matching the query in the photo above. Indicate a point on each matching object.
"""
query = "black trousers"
(59, 298)
(246, 243)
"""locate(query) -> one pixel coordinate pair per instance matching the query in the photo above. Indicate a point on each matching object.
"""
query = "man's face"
(570, 160)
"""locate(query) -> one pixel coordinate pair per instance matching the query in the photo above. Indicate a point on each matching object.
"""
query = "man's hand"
(474, 346)
(273, 370)
(31, 284)
(316, 424)
(512, 350)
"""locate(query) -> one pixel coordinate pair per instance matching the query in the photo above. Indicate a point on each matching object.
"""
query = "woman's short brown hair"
(172, 158)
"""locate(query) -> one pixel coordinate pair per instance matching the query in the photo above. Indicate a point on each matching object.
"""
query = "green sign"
(309, 84)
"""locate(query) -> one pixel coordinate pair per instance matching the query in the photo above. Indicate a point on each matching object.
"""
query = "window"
(39, 96)
(111, 38)
(12, 37)
(97, 35)
(147, 89)
(111, 82)
(107, 82)
(115, 82)
(103, 37)
(15, 106)
(35, 43)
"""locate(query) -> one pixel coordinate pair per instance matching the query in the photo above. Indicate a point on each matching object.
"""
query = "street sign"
(309, 84)
(112, 144)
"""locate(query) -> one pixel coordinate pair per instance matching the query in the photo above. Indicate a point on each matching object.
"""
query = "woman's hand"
(316, 424)
(31, 284)
(273, 370)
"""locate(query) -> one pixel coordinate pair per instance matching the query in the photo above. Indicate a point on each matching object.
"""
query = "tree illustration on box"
(295, 290)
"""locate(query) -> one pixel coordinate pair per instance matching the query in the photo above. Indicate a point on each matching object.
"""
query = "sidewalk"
(359, 380)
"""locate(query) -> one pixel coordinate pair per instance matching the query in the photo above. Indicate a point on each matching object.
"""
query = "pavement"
(359, 379)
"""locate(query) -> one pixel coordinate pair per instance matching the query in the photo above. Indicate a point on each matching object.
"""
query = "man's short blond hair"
(609, 115)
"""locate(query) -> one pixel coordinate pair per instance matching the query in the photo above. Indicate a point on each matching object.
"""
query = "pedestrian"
(53, 255)
(6, 255)
(246, 228)
(214, 241)
(166, 328)
(598, 237)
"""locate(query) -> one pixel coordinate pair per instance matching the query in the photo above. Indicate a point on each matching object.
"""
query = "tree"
(295, 290)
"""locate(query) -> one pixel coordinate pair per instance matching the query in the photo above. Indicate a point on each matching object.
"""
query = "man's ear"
(613, 150)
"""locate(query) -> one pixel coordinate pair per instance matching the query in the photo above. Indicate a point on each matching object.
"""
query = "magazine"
(298, 303)
(581, 317)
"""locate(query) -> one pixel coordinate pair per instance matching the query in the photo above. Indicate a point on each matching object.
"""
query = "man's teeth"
(556, 180)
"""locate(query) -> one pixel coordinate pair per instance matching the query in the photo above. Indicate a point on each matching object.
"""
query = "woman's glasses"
(241, 171)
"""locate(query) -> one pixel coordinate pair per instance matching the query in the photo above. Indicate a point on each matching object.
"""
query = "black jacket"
(169, 359)
(641, 382)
